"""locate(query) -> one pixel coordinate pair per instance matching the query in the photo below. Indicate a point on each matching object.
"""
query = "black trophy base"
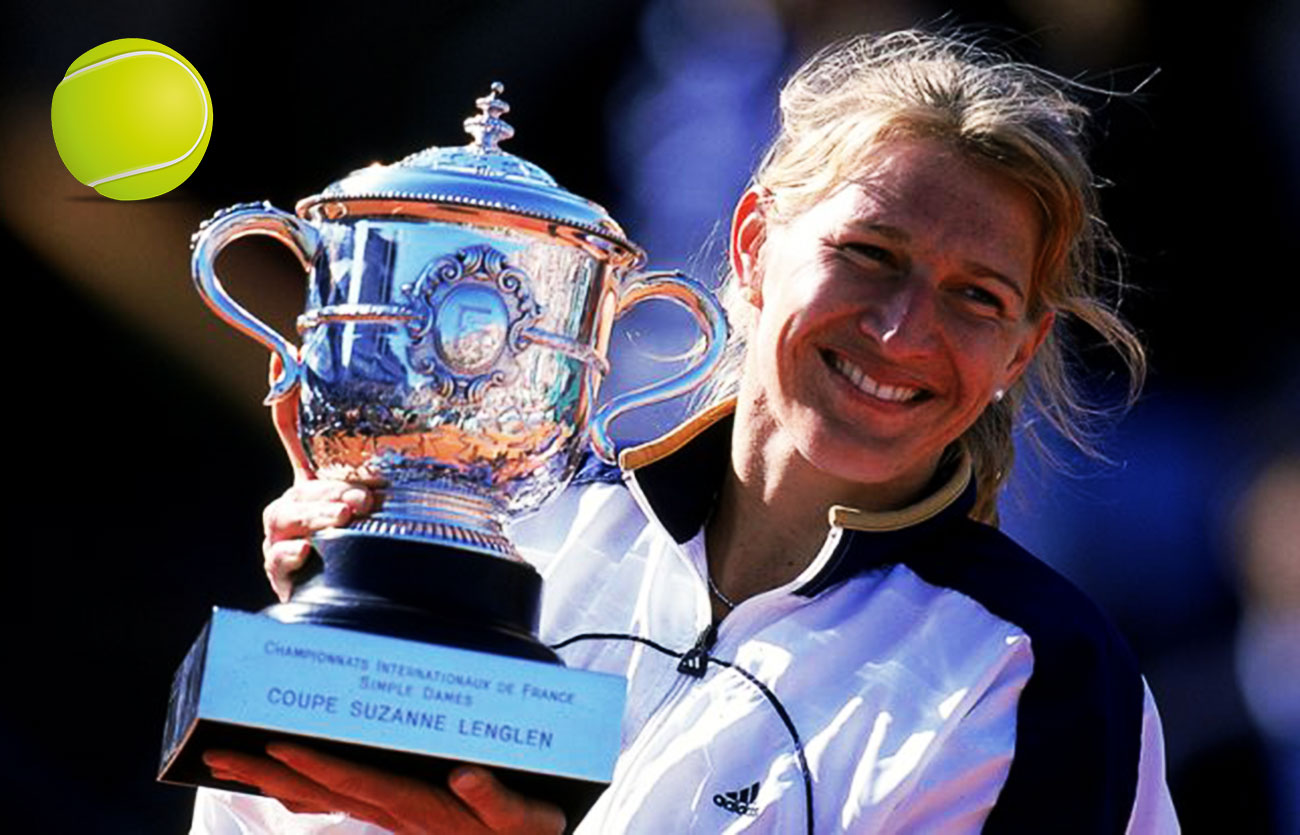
(254, 679)
(422, 592)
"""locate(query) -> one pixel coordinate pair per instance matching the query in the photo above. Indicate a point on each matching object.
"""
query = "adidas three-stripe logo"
(743, 802)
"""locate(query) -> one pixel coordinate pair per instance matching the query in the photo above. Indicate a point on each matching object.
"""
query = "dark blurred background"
(144, 457)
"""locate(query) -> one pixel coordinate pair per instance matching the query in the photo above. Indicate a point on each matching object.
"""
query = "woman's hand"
(310, 505)
(307, 781)
(305, 508)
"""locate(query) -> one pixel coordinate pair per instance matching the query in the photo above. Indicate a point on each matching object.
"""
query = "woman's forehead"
(928, 185)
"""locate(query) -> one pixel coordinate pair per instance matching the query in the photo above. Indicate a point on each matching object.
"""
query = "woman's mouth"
(864, 383)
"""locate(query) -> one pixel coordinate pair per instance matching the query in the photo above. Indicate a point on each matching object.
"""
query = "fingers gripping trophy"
(458, 315)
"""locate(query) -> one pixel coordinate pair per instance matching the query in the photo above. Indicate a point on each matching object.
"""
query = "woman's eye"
(983, 297)
(871, 251)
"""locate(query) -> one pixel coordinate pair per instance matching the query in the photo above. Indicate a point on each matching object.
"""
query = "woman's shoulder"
(1080, 717)
(989, 566)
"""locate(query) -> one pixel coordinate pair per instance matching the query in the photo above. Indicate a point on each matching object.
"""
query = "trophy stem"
(441, 514)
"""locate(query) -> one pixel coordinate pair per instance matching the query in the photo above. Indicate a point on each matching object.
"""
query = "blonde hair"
(854, 96)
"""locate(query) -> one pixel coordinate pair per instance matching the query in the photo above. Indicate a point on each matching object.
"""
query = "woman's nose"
(901, 318)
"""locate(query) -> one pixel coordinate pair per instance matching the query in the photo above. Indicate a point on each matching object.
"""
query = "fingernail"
(281, 751)
(357, 498)
(335, 515)
(465, 778)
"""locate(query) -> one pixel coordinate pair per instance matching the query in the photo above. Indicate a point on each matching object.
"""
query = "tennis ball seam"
(202, 96)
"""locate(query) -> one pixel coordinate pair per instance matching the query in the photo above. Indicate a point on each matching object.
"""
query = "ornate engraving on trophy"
(471, 328)
(473, 308)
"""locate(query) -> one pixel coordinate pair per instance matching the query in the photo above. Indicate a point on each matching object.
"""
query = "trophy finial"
(488, 128)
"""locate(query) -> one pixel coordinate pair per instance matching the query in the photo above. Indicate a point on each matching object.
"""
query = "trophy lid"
(478, 175)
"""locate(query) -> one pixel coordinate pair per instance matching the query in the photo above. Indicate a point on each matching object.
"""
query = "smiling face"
(889, 314)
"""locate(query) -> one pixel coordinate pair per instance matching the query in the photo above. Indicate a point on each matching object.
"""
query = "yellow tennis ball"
(131, 119)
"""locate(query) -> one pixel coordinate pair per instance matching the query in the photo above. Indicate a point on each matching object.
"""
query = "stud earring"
(998, 395)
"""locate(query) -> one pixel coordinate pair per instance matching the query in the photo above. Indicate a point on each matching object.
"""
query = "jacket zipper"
(695, 662)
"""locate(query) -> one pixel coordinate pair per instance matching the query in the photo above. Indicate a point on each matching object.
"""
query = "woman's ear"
(1029, 345)
(748, 229)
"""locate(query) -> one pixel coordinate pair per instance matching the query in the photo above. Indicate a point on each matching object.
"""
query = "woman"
(821, 629)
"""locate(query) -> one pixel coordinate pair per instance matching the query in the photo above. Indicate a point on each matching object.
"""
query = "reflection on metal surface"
(471, 328)
(355, 313)
(473, 306)
(458, 313)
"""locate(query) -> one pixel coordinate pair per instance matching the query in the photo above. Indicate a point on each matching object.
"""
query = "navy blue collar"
(681, 473)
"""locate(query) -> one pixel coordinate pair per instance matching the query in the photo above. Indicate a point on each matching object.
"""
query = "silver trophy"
(458, 316)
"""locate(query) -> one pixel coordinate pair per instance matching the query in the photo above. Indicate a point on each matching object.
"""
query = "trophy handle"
(675, 287)
(229, 225)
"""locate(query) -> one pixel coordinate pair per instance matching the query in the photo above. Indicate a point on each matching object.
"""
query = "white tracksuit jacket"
(923, 674)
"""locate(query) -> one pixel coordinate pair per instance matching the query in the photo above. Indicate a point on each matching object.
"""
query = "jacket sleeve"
(1153, 807)
(960, 774)
(1087, 757)
(228, 813)
(961, 780)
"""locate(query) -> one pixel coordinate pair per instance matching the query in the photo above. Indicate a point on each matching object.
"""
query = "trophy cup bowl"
(458, 315)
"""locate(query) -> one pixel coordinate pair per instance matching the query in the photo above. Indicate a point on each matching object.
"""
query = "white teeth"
(861, 380)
